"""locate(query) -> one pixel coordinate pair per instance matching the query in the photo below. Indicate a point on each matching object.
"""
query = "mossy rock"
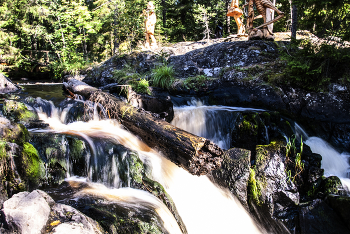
(30, 166)
(331, 185)
(13, 132)
(19, 111)
(116, 218)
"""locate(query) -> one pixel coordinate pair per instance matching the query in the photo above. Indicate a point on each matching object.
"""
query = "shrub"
(163, 76)
(195, 82)
(141, 86)
(314, 67)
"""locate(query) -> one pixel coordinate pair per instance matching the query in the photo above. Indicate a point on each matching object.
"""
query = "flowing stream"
(216, 123)
(203, 207)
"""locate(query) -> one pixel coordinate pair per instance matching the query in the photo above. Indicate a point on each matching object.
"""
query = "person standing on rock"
(150, 21)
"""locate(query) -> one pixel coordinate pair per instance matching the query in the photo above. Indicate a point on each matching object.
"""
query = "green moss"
(32, 164)
(3, 151)
(18, 111)
(136, 168)
(76, 148)
(332, 185)
(248, 126)
(254, 189)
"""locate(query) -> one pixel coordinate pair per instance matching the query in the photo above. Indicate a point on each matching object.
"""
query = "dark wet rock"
(249, 131)
(318, 217)
(159, 102)
(111, 212)
(6, 86)
(270, 188)
(234, 173)
(340, 205)
(62, 154)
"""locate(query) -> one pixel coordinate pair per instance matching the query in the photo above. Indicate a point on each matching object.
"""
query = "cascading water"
(212, 122)
(333, 162)
(203, 207)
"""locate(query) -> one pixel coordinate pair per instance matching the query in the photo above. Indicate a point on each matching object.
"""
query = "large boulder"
(318, 217)
(37, 212)
(234, 173)
(6, 86)
(212, 60)
(271, 189)
(27, 212)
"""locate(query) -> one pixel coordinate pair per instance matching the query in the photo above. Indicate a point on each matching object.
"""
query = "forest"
(68, 35)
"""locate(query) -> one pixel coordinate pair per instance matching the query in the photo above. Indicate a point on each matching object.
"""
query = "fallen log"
(195, 154)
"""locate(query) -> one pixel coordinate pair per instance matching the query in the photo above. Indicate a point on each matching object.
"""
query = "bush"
(314, 67)
(141, 86)
(195, 82)
(163, 77)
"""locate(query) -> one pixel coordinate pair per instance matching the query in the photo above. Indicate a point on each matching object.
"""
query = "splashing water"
(212, 122)
(333, 162)
(203, 207)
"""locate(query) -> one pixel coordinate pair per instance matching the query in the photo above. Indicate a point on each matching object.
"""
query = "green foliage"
(291, 152)
(325, 17)
(314, 67)
(195, 82)
(3, 152)
(140, 86)
(163, 76)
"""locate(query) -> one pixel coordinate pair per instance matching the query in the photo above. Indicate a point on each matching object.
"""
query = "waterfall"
(203, 207)
(212, 122)
(333, 162)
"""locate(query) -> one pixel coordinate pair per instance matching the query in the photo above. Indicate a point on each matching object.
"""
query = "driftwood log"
(195, 154)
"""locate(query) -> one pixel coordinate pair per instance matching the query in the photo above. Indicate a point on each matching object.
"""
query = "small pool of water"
(48, 91)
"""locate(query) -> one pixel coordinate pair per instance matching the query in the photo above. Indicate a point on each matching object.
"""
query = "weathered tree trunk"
(195, 154)
(294, 22)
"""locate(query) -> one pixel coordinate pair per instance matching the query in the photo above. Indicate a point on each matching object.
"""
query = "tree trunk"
(294, 22)
(195, 154)
(116, 42)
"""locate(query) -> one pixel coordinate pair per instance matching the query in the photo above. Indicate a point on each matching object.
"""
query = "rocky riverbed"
(280, 183)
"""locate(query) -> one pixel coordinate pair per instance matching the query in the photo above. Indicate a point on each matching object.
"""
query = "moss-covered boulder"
(63, 155)
(332, 185)
(271, 188)
(13, 132)
(30, 166)
(19, 112)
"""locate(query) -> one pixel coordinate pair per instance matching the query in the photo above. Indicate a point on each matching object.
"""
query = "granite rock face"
(37, 212)
(6, 86)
